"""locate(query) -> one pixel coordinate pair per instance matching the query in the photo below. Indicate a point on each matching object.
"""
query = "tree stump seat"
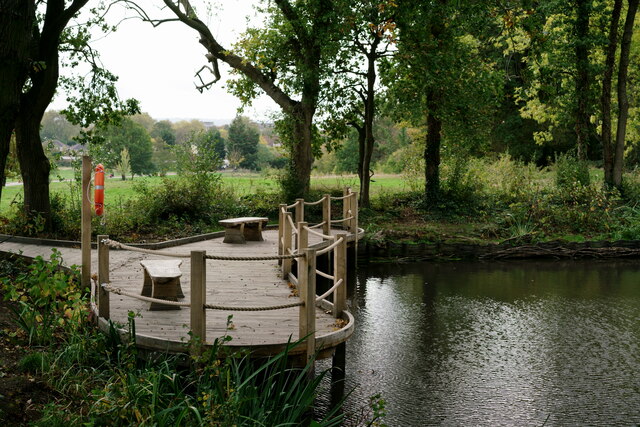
(162, 281)
(241, 230)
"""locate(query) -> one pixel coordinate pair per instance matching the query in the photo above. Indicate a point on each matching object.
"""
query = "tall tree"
(244, 138)
(583, 77)
(125, 135)
(285, 60)
(50, 32)
(623, 101)
(608, 149)
(438, 77)
(17, 18)
(371, 36)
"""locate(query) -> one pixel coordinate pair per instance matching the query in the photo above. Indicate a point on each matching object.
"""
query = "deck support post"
(326, 214)
(307, 292)
(85, 229)
(103, 277)
(340, 272)
(286, 245)
(299, 210)
(198, 300)
(281, 209)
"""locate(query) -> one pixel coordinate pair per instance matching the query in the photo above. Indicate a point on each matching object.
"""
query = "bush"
(571, 172)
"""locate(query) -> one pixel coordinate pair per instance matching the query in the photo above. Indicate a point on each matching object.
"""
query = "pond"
(510, 343)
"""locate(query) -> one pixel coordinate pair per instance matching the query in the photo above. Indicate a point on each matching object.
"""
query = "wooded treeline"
(531, 78)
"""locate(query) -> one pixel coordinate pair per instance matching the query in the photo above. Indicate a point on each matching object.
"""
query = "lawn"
(117, 191)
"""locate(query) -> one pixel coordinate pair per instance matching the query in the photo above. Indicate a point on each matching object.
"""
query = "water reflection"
(499, 343)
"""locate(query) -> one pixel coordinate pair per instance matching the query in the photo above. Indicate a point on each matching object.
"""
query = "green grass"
(118, 191)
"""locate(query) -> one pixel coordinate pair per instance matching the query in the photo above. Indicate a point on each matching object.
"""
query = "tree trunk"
(301, 152)
(583, 10)
(605, 101)
(34, 167)
(623, 101)
(369, 115)
(16, 20)
(432, 149)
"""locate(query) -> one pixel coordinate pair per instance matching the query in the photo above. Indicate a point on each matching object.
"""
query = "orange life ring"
(99, 189)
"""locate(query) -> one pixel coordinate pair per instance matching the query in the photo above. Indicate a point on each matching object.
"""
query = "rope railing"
(292, 278)
(322, 236)
(333, 221)
(341, 197)
(293, 225)
(330, 291)
(317, 202)
(265, 308)
(119, 291)
(330, 247)
(117, 245)
(325, 275)
(292, 206)
(311, 227)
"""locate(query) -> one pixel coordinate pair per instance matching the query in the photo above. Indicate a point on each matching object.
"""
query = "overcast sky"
(157, 65)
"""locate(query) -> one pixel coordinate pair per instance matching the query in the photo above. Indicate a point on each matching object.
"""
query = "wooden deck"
(236, 283)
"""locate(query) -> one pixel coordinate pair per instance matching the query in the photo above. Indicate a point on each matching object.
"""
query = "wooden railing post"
(198, 299)
(85, 231)
(286, 245)
(346, 202)
(326, 214)
(307, 291)
(299, 210)
(281, 208)
(103, 277)
(340, 272)
(303, 242)
(353, 225)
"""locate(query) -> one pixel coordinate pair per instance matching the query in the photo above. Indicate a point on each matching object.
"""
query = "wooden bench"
(239, 230)
(162, 281)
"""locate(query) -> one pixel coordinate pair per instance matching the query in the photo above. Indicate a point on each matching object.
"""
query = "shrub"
(571, 172)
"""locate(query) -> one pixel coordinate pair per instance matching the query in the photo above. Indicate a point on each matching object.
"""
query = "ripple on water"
(514, 344)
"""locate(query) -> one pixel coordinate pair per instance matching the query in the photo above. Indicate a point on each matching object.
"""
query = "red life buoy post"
(99, 189)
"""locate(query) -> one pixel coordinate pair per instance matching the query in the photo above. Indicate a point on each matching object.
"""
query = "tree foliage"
(244, 138)
(126, 135)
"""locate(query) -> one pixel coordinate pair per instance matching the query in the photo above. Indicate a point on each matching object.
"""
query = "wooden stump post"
(340, 272)
(307, 291)
(299, 210)
(326, 214)
(286, 245)
(198, 300)
(85, 230)
(103, 277)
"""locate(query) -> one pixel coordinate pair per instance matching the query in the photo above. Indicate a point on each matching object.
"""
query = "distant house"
(65, 152)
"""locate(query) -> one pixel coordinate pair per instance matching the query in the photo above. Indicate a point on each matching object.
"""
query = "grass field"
(118, 191)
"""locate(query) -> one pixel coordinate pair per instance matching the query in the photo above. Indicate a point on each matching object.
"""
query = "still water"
(513, 344)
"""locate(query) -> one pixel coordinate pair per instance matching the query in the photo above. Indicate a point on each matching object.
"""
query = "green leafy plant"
(49, 298)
